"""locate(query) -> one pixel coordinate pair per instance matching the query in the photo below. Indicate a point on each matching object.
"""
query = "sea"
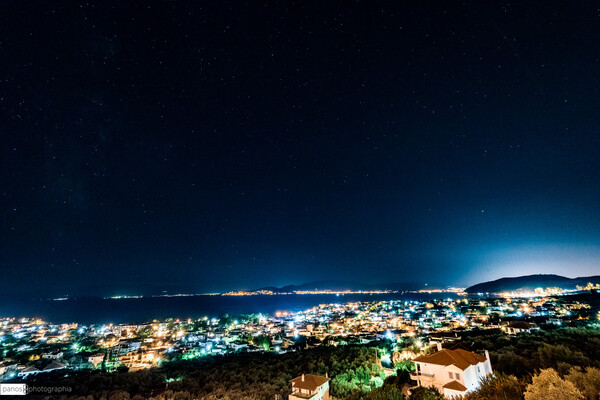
(146, 309)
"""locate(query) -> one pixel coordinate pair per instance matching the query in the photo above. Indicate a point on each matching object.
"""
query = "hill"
(530, 282)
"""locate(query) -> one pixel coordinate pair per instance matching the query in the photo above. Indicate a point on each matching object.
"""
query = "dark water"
(97, 310)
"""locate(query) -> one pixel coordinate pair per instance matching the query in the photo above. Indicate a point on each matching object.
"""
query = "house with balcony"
(454, 372)
(308, 386)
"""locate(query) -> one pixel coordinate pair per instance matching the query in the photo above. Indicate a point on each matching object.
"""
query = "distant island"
(529, 283)
(548, 283)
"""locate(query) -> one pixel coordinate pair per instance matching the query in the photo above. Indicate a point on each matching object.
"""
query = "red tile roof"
(521, 325)
(459, 357)
(309, 381)
(455, 385)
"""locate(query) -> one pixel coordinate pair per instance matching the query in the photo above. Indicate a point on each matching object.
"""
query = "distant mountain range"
(355, 286)
(525, 283)
(530, 283)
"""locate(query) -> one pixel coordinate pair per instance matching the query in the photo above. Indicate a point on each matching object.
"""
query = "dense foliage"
(357, 381)
(538, 364)
(236, 376)
(525, 365)
(560, 349)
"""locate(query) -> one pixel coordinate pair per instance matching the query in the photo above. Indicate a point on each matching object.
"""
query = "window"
(457, 376)
(451, 375)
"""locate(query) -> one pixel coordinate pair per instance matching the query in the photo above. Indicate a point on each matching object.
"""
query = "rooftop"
(459, 357)
(309, 381)
(455, 385)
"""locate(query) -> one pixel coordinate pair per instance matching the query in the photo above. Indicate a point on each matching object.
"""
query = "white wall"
(469, 377)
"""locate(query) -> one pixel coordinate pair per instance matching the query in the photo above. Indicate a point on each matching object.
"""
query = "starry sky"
(209, 146)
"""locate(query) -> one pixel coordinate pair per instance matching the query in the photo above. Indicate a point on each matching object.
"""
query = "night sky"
(209, 146)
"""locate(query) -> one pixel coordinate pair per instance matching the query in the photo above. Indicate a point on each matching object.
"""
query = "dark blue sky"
(235, 144)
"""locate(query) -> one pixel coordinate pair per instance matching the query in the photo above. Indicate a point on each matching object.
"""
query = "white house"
(516, 327)
(96, 359)
(308, 386)
(29, 371)
(238, 345)
(56, 355)
(453, 372)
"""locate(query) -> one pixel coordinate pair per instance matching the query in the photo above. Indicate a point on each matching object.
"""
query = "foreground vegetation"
(524, 367)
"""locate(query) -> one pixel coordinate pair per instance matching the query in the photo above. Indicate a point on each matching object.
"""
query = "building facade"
(452, 372)
(308, 386)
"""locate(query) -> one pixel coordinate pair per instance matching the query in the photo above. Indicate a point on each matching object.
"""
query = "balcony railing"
(298, 394)
(420, 375)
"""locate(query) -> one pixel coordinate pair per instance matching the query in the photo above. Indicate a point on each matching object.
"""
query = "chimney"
(326, 375)
(487, 355)
(302, 377)
(439, 346)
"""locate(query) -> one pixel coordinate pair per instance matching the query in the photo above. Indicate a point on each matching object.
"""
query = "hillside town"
(32, 346)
